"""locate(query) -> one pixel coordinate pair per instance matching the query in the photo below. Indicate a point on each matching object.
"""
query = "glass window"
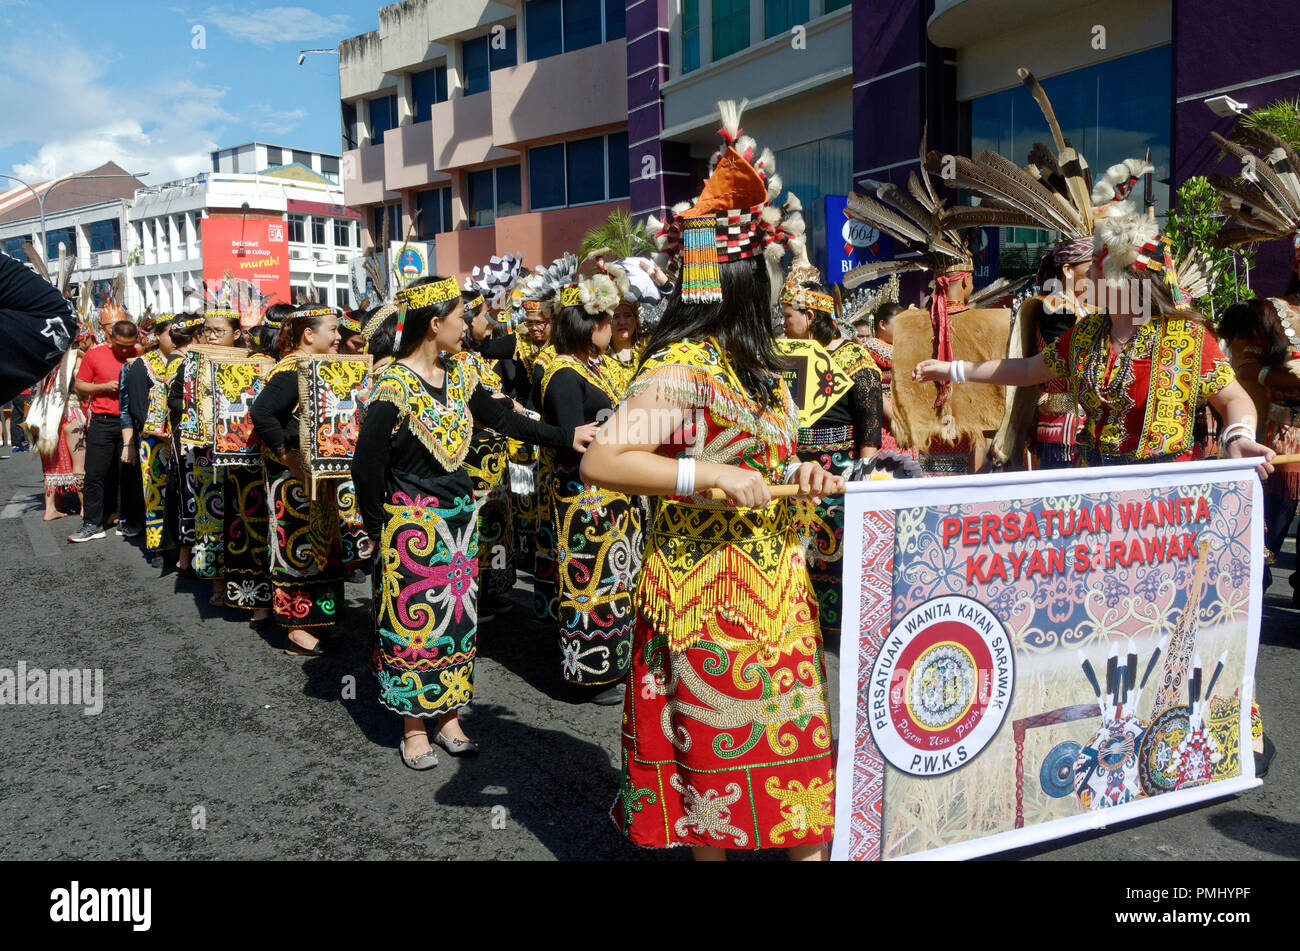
(544, 25)
(475, 60)
(317, 230)
(581, 24)
(615, 22)
(274, 157)
(304, 158)
(428, 87)
(546, 176)
(835, 5)
(349, 126)
(386, 219)
(297, 228)
(14, 247)
(1109, 112)
(690, 35)
(780, 16)
(107, 236)
(730, 27)
(342, 233)
(482, 198)
(329, 165)
(502, 54)
(510, 197)
(618, 168)
(586, 170)
(383, 116)
(430, 204)
(66, 236)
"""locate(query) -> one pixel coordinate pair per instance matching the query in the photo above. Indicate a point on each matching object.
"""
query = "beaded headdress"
(426, 295)
(733, 218)
(794, 293)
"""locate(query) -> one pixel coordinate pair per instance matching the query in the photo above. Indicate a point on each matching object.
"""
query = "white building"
(253, 157)
(165, 234)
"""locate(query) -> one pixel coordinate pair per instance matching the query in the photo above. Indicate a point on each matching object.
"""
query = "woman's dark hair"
(262, 339)
(1293, 285)
(181, 338)
(741, 323)
(278, 313)
(571, 330)
(1247, 318)
(418, 319)
(381, 341)
(294, 326)
(886, 313)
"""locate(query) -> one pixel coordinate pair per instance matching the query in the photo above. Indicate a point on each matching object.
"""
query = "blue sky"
(85, 83)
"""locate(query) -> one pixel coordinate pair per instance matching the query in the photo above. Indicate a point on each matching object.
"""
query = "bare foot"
(417, 744)
(51, 516)
(303, 639)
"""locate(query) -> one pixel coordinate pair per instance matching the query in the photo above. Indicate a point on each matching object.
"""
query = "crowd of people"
(615, 430)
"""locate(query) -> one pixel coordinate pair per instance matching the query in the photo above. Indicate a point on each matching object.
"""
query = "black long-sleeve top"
(175, 401)
(392, 458)
(274, 412)
(36, 325)
(570, 402)
(138, 385)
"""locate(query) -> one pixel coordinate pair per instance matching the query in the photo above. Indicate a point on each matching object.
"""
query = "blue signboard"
(983, 244)
(850, 243)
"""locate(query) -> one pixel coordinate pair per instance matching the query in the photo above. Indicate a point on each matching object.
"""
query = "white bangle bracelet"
(685, 477)
(957, 371)
(1263, 375)
(791, 471)
(1245, 429)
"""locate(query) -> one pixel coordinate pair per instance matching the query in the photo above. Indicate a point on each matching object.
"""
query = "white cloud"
(82, 119)
(277, 24)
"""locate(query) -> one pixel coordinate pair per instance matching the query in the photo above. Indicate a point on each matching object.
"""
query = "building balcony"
(363, 176)
(559, 95)
(462, 132)
(539, 236)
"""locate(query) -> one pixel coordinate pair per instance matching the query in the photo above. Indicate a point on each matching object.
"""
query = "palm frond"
(619, 237)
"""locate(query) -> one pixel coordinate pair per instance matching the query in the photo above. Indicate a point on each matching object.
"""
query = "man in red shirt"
(96, 385)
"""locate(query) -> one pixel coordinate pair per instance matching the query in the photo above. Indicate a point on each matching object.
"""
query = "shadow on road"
(1260, 832)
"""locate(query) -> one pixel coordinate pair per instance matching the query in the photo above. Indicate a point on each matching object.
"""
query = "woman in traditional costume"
(305, 558)
(1263, 335)
(1138, 380)
(417, 501)
(486, 464)
(45, 430)
(726, 734)
(180, 505)
(846, 429)
(147, 384)
(596, 533)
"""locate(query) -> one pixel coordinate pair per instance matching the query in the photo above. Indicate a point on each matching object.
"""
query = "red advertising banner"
(254, 250)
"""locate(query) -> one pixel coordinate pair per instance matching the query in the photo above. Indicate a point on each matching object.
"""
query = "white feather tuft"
(682, 206)
(795, 224)
(767, 161)
(747, 148)
(1104, 189)
(770, 215)
(773, 186)
(792, 202)
(731, 111)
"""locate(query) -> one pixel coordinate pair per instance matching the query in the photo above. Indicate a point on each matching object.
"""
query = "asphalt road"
(214, 744)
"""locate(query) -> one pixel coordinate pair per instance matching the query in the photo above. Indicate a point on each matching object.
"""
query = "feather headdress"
(916, 219)
(734, 217)
(498, 278)
(1264, 204)
(1054, 191)
(545, 283)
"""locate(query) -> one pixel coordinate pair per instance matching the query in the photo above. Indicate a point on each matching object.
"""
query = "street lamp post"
(40, 198)
(302, 54)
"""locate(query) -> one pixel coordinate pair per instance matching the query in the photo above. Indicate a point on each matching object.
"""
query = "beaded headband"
(192, 322)
(223, 312)
(376, 320)
(571, 296)
(806, 299)
(426, 295)
(474, 302)
(350, 323)
(317, 312)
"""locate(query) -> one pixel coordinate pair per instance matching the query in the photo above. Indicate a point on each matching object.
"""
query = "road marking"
(17, 505)
(39, 534)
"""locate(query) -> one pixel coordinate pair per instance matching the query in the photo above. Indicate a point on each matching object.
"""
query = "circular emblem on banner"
(941, 686)
(409, 262)
(859, 235)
